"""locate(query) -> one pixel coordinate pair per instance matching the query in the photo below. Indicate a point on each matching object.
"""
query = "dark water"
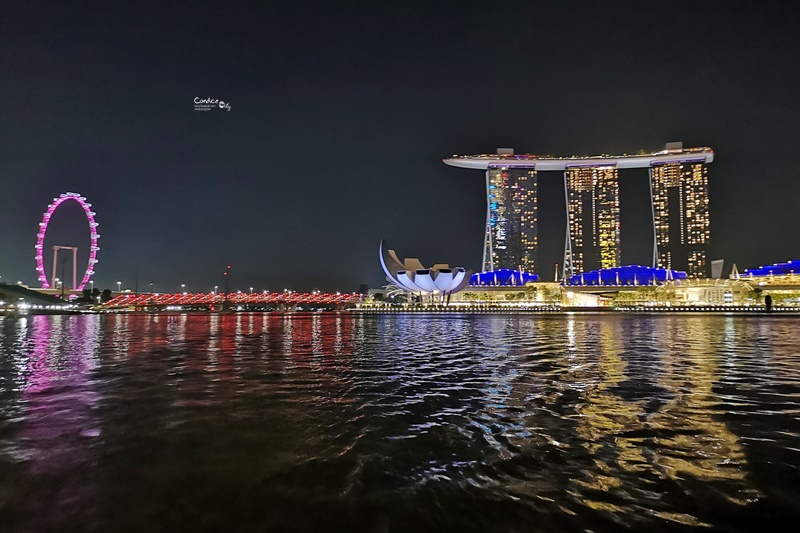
(333, 422)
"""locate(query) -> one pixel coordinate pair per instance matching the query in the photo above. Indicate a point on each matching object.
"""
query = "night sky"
(341, 113)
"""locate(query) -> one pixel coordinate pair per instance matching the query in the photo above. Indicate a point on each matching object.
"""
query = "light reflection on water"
(331, 421)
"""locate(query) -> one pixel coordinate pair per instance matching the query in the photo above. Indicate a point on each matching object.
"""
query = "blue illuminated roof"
(502, 277)
(778, 269)
(625, 275)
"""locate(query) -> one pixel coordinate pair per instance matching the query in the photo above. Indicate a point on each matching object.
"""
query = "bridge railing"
(233, 299)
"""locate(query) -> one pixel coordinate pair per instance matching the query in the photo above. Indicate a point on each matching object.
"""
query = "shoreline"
(710, 310)
(789, 312)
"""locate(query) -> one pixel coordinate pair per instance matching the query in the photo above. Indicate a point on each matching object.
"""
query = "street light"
(227, 289)
(215, 288)
(183, 288)
(251, 290)
(119, 286)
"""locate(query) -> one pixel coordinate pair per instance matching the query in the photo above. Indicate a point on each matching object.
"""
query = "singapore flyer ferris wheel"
(66, 197)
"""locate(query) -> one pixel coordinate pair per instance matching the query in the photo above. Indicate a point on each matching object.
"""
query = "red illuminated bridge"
(211, 299)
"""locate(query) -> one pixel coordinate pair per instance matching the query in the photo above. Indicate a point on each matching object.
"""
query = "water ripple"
(333, 421)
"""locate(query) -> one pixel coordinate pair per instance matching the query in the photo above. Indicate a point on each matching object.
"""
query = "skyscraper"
(680, 216)
(511, 219)
(679, 199)
(592, 218)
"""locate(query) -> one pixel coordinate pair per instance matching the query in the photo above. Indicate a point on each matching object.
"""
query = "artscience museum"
(436, 283)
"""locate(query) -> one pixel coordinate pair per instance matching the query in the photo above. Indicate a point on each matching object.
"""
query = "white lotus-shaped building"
(439, 280)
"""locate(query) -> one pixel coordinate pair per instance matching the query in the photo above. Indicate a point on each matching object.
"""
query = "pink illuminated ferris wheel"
(69, 196)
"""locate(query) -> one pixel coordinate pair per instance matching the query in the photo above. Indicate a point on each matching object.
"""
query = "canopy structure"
(487, 161)
(778, 269)
(502, 277)
(625, 275)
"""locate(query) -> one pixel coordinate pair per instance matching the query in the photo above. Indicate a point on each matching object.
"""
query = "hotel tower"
(678, 197)
(680, 216)
(592, 218)
(511, 219)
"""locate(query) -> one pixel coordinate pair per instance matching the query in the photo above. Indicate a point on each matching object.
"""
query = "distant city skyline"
(339, 116)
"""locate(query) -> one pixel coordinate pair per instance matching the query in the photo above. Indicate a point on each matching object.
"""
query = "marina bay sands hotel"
(678, 197)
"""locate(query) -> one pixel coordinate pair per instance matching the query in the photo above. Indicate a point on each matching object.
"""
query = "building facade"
(679, 201)
(592, 218)
(511, 237)
(680, 216)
